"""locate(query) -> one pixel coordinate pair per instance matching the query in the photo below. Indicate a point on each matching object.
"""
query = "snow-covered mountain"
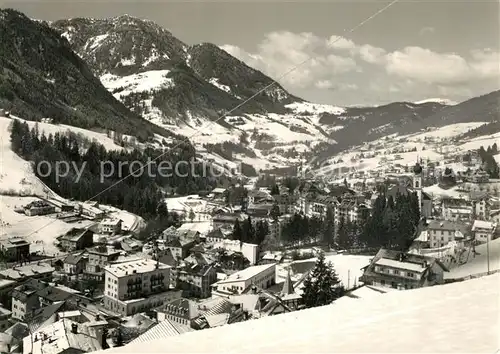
(443, 101)
(41, 76)
(185, 90)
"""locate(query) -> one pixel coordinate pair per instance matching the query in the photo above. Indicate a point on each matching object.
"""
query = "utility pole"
(488, 252)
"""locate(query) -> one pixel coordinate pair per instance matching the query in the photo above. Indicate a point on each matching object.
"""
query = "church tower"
(417, 183)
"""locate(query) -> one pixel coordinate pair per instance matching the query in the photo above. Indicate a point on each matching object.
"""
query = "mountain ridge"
(185, 90)
(41, 76)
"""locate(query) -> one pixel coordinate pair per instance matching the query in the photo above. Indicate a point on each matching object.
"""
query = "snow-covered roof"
(400, 265)
(247, 273)
(395, 322)
(111, 222)
(164, 329)
(59, 337)
(423, 236)
(481, 224)
(134, 266)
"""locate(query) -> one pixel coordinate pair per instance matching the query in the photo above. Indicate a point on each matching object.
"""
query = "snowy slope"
(455, 318)
(16, 175)
(18, 185)
(381, 155)
(40, 231)
(479, 263)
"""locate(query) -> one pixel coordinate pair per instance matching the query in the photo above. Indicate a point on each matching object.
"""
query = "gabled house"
(441, 232)
(218, 234)
(169, 234)
(483, 231)
(182, 311)
(15, 249)
(42, 271)
(456, 209)
(165, 328)
(194, 280)
(110, 226)
(77, 239)
(226, 220)
(74, 264)
(180, 247)
(39, 207)
(403, 270)
(259, 210)
(263, 276)
(99, 257)
(259, 196)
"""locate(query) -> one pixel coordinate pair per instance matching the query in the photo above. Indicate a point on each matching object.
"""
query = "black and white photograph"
(249, 176)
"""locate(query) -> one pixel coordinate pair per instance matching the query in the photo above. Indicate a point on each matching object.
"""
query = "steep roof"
(164, 329)
(288, 285)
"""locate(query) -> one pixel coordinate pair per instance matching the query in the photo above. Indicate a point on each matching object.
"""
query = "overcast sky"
(412, 51)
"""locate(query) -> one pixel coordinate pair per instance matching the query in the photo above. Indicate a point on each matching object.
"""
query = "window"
(410, 274)
(396, 271)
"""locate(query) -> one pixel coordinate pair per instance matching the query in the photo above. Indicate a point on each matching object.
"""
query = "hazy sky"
(412, 51)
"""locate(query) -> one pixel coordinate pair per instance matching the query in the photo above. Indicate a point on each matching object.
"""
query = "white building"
(441, 232)
(263, 276)
(137, 285)
(110, 226)
(483, 230)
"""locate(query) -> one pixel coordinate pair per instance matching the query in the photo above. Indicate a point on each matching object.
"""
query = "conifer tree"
(237, 231)
(322, 286)
(275, 212)
(261, 231)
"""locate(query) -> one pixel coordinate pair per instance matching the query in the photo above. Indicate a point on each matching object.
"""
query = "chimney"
(74, 328)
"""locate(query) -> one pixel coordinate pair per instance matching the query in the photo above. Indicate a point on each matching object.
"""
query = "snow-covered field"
(40, 231)
(16, 175)
(314, 108)
(143, 82)
(454, 318)
(437, 192)
(476, 143)
(183, 205)
(48, 128)
(446, 132)
(17, 178)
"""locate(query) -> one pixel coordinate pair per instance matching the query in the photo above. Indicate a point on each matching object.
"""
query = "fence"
(472, 276)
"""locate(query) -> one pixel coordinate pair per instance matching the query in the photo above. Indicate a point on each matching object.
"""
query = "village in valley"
(256, 248)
